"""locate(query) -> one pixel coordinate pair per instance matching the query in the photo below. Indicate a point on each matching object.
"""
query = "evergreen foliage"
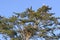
(30, 23)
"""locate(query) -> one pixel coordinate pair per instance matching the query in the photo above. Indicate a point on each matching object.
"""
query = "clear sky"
(7, 7)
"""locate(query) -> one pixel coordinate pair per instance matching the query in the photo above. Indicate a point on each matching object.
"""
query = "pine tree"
(30, 23)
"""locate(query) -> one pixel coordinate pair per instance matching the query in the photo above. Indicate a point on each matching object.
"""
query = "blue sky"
(7, 7)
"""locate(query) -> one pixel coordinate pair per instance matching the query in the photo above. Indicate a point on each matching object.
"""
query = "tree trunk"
(27, 38)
